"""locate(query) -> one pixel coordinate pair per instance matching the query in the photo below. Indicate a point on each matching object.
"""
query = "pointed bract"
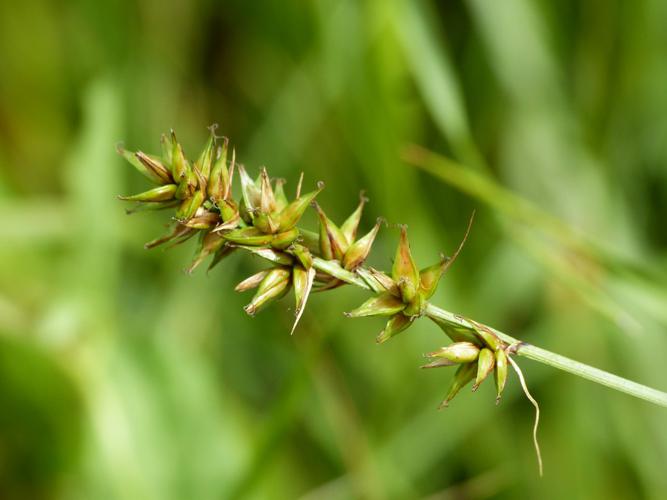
(382, 305)
(500, 373)
(485, 364)
(179, 164)
(290, 216)
(302, 281)
(180, 233)
(219, 178)
(279, 194)
(252, 195)
(265, 222)
(219, 255)
(155, 165)
(462, 377)
(283, 240)
(267, 201)
(211, 243)
(357, 253)
(160, 193)
(167, 149)
(302, 254)
(274, 285)
(487, 336)
(203, 219)
(205, 161)
(459, 352)
(250, 236)
(269, 254)
(252, 281)
(439, 363)
(395, 325)
(385, 282)
(351, 224)
(333, 243)
(429, 278)
(189, 206)
(404, 271)
(134, 161)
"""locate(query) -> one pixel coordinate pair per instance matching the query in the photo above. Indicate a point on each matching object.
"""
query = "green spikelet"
(462, 377)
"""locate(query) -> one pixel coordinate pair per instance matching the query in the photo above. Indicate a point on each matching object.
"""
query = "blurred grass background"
(123, 378)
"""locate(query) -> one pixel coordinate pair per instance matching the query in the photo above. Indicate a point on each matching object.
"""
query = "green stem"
(522, 349)
(562, 363)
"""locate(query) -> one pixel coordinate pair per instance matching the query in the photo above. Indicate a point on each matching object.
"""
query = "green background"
(123, 378)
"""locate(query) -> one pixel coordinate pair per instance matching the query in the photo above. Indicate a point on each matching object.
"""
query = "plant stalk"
(526, 350)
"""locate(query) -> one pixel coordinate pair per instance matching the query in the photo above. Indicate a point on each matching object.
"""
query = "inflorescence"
(264, 222)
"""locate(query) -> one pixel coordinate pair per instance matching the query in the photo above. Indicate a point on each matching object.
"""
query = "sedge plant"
(263, 221)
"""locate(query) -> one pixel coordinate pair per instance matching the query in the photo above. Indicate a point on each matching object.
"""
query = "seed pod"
(205, 160)
(190, 206)
(154, 165)
(289, 217)
(250, 236)
(357, 253)
(267, 201)
(333, 243)
(219, 181)
(283, 240)
(487, 336)
(485, 364)
(134, 161)
(179, 164)
(303, 255)
(429, 278)
(160, 193)
(211, 243)
(500, 373)
(416, 306)
(265, 222)
(302, 281)
(252, 281)
(252, 194)
(223, 252)
(463, 375)
(274, 285)
(229, 211)
(187, 185)
(245, 213)
(351, 224)
(459, 352)
(404, 271)
(382, 305)
(396, 324)
(203, 219)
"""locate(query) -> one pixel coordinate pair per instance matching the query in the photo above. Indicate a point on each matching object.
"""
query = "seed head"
(459, 352)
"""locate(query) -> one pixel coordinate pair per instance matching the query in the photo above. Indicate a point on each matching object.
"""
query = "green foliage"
(560, 104)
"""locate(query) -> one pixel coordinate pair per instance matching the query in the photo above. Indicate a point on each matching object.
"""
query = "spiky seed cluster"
(477, 352)
(265, 223)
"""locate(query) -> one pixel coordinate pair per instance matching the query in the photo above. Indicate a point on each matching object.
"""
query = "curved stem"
(523, 349)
